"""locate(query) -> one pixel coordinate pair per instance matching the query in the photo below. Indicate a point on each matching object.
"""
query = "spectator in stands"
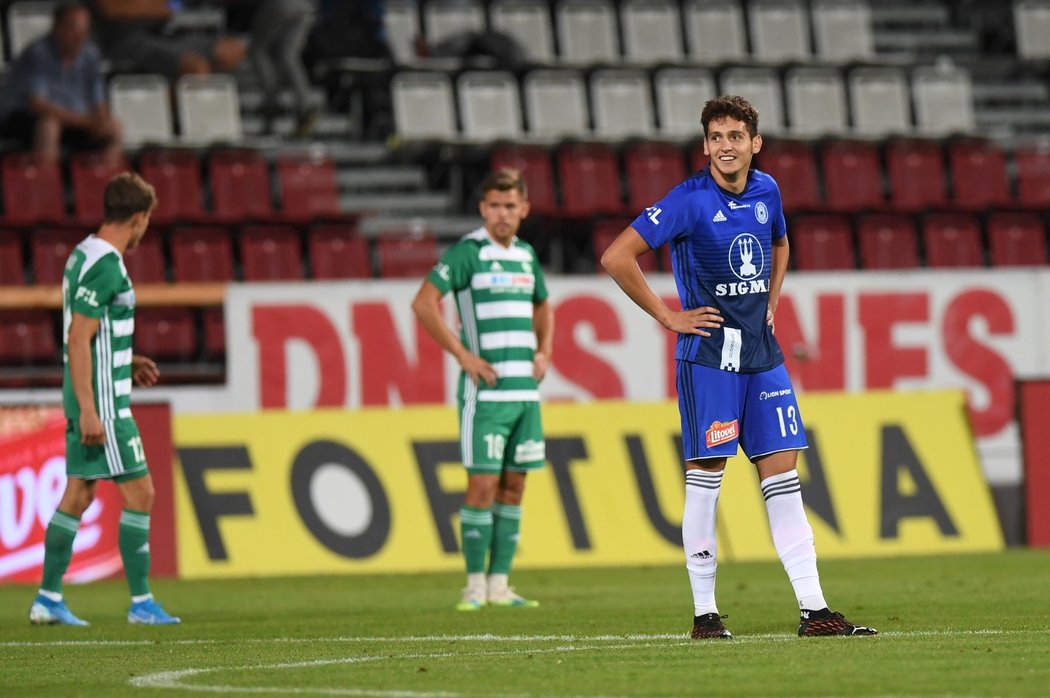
(55, 93)
(135, 32)
(277, 32)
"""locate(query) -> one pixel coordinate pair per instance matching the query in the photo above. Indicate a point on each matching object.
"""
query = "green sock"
(475, 527)
(134, 550)
(58, 549)
(506, 524)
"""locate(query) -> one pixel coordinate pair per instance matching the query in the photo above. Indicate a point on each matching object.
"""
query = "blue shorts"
(721, 409)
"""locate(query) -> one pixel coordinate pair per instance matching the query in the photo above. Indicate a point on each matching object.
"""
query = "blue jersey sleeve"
(779, 222)
(667, 218)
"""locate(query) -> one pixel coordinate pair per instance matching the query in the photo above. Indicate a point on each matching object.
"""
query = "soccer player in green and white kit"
(102, 440)
(504, 351)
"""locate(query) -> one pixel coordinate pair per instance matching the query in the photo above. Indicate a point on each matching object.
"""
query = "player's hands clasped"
(478, 370)
(695, 320)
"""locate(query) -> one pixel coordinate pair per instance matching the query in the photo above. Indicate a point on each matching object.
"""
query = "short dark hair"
(730, 107)
(127, 194)
(505, 179)
(64, 8)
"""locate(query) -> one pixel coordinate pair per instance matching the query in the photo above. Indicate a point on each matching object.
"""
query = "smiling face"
(729, 146)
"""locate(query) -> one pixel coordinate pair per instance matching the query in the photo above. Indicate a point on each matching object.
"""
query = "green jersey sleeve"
(539, 293)
(97, 287)
(453, 270)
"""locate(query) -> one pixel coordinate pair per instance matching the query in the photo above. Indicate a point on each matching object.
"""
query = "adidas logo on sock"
(472, 533)
(143, 549)
(719, 217)
(703, 555)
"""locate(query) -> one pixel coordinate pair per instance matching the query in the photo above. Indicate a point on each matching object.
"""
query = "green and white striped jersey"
(495, 288)
(96, 284)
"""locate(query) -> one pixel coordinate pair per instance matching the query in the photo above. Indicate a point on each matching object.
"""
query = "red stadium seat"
(652, 170)
(1033, 176)
(978, 174)
(166, 334)
(852, 176)
(214, 332)
(887, 241)
(271, 253)
(240, 185)
(11, 259)
(1016, 240)
(916, 175)
(307, 187)
(405, 255)
(202, 254)
(50, 250)
(145, 262)
(794, 166)
(952, 240)
(91, 173)
(28, 337)
(534, 162)
(176, 176)
(822, 243)
(33, 193)
(590, 180)
(605, 231)
(338, 252)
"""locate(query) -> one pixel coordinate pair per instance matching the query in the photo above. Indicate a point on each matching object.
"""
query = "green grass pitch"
(949, 626)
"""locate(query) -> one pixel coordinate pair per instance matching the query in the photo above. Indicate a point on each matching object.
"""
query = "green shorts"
(120, 458)
(498, 435)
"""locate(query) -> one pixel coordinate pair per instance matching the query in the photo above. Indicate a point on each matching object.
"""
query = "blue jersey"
(721, 251)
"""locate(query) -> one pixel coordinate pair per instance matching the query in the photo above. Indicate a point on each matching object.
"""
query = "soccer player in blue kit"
(729, 252)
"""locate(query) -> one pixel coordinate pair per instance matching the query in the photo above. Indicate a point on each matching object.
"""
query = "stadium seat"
(527, 21)
(1032, 26)
(1016, 240)
(714, 31)
(590, 180)
(33, 193)
(587, 31)
(209, 108)
(943, 96)
(27, 21)
(794, 165)
(978, 174)
(145, 262)
(143, 105)
(652, 170)
(779, 30)
(621, 104)
(534, 162)
(843, 30)
(915, 170)
(176, 177)
(308, 187)
(556, 104)
(240, 185)
(489, 105)
(443, 19)
(12, 271)
(852, 176)
(202, 254)
(166, 334)
(338, 252)
(607, 230)
(401, 22)
(822, 243)
(90, 172)
(403, 255)
(651, 31)
(1033, 174)
(423, 106)
(952, 240)
(680, 97)
(816, 101)
(887, 241)
(214, 332)
(271, 253)
(762, 88)
(50, 249)
(880, 101)
(27, 337)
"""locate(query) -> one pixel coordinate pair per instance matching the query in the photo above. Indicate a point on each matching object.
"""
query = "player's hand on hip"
(696, 321)
(479, 370)
(91, 431)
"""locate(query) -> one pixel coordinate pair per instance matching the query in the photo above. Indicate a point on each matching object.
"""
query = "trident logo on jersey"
(748, 261)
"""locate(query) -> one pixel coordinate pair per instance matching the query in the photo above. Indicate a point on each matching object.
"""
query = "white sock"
(50, 595)
(497, 582)
(698, 536)
(476, 580)
(793, 537)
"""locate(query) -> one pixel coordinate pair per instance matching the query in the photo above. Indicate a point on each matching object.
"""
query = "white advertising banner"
(305, 346)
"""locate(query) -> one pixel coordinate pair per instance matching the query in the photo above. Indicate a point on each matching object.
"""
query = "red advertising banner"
(1033, 408)
(32, 479)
